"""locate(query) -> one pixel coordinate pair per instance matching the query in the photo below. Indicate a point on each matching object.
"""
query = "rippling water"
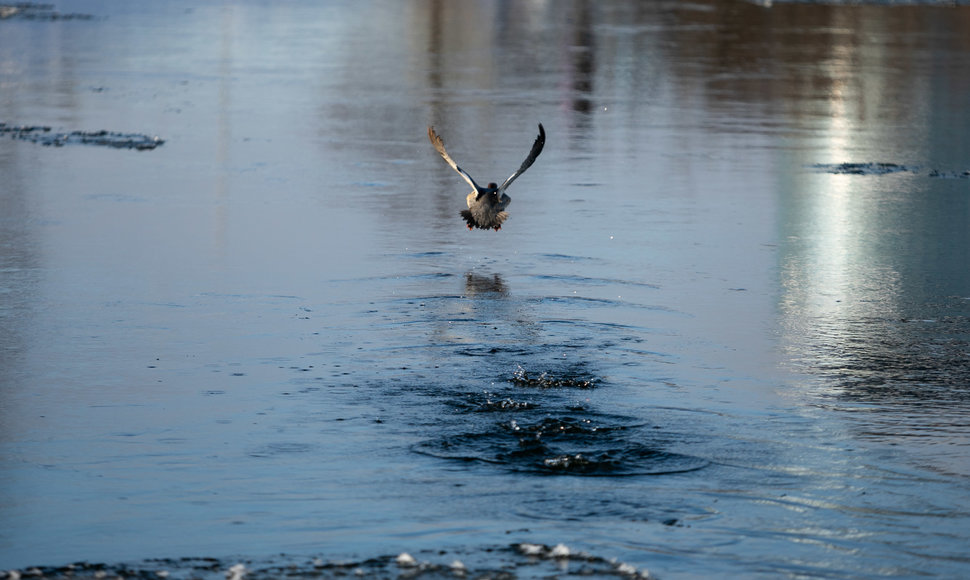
(725, 330)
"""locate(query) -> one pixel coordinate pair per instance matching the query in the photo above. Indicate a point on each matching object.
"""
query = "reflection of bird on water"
(477, 285)
(486, 205)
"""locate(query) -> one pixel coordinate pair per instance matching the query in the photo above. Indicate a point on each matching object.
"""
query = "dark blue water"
(725, 330)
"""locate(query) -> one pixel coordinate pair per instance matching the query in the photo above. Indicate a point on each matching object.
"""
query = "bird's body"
(486, 205)
(486, 208)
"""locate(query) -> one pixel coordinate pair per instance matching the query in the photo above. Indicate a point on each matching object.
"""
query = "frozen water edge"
(524, 560)
(768, 3)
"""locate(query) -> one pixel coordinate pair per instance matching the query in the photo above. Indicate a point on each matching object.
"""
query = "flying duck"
(486, 205)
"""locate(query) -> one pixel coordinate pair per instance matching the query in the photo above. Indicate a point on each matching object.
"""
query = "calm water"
(700, 345)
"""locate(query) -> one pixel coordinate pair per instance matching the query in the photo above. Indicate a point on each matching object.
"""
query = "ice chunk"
(559, 551)
(406, 560)
(532, 549)
(236, 572)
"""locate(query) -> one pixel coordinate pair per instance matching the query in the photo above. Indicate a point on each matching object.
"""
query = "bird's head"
(489, 193)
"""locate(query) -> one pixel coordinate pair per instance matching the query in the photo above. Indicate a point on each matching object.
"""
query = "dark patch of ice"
(873, 168)
(950, 174)
(868, 168)
(33, 11)
(48, 137)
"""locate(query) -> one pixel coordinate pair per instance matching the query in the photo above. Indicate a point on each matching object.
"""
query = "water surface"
(702, 344)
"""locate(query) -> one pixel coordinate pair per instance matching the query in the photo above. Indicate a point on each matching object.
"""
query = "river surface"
(725, 331)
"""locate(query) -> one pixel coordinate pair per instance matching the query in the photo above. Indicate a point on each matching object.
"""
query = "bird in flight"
(486, 205)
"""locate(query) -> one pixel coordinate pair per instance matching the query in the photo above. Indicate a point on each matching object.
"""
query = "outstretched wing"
(536, 150)
(440, 148)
